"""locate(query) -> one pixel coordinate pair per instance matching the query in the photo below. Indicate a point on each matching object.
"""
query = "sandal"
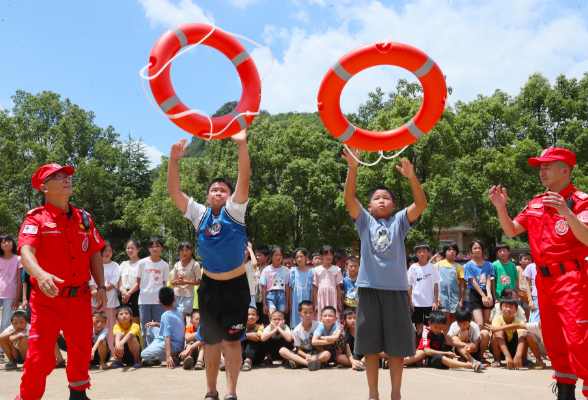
(222, 365)
(360, 366)
(292, 364)
(138, 364)
(10, 365)
(117, 364)
(59, 364)
(246, 366)
(476, 366)
(230, 397)
(314, 365)
(385, 363)
(484, 362)
(267, 362)
(213, 395)
(199, 365)
(188, 363)
(496, 364)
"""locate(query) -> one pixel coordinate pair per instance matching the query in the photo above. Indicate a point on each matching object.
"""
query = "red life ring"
(389, 53)
(184, 35)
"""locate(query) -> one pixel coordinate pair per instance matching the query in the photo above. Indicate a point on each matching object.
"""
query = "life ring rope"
(174, 100)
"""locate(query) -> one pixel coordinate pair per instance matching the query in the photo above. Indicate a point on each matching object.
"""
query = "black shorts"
(263, 318)
(128, 358)
(421, 315)
(223, 308)
(133, 302)
(436, 361)
(96, 359)
(476, 301)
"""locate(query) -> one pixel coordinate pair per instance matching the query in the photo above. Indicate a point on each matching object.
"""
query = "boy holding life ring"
(385, 288)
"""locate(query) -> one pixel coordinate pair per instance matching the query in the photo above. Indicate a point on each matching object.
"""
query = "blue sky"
(91, 52)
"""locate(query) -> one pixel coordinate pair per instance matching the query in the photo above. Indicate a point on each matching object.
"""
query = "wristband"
(101, 287)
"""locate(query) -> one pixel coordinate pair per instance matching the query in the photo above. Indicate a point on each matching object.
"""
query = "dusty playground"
(330, 383)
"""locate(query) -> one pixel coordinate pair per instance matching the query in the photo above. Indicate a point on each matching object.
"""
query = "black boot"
(564, 391)
(77, 394)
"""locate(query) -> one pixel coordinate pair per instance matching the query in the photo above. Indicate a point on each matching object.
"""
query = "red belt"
(561, 268)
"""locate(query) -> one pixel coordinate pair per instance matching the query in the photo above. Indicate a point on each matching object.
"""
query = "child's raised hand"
(240, 137)
(406, 168)
(178, 149)
(348, 155)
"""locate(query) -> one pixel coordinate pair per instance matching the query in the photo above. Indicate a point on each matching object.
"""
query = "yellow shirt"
(458, 267)
(135, 329)
(499, 321)
(257, 329)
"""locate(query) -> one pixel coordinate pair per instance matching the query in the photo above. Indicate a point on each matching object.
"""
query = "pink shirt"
(10, 276)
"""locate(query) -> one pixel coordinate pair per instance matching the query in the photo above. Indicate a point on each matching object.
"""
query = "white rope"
(195, 111)
(382, 156)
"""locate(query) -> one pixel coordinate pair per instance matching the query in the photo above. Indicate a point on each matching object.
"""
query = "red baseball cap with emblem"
(42, 173)
(554, 154)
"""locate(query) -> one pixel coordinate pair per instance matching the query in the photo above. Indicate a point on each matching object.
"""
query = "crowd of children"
(302, 311)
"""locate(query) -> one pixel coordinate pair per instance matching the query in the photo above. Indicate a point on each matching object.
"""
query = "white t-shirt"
(152, 275)
(423, 281)
(128, 273)
(276, 335)
(531, 272)
(302, 337)
(25, 332)
(533, 327)
(473, 332)
(250, 271)
(111, 275)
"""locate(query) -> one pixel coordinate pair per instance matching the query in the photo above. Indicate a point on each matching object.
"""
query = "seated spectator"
(193, 344)
(433, 350)
(508, 292)
(534, 339)
(100, 349)
(355, 361)
(127, 340)
(466, 337)
(302, 333)
(328, 338)
(275, 336)
(251, 346)
(509, 343)
(15, 340)
(165, 339)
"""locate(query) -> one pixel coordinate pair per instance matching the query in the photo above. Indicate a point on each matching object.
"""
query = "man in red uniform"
(558, 234)
(59, 246)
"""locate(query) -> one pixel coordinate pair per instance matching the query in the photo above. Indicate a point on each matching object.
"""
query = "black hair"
(286, 256)
(263, 250)
(453, 246)
(474, 241)
(412, 257)
(325, 249)
(276, 248)
(220, 180)
(299, 249)
(276, 312)
(339, 254)
(352, 258)
(437, 317)
(254, 308)
(8, 237)
(136, 242)
(305, 303)
(166, 296)
(524, 254)
(315, 255)
(386, 188)
(18, 314)
(100, 314)
(194, 311)
(346, 312)
(509, 300)
(186, 245)
(508, 292)
(118, 310)
(327, 308)
(463, 314)
(422, 246)
(155, 239)
(106, 244)
(502, 245)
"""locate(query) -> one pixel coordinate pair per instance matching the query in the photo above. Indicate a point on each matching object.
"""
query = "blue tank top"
(222, 242)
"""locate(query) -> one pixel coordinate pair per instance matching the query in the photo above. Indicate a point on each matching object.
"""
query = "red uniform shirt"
(550, 236)
(63, 246)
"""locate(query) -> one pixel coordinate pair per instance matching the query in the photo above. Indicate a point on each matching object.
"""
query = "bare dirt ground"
(280, 383)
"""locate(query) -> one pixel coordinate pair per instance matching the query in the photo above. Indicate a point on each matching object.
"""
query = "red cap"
(554, 154)
(42, 173)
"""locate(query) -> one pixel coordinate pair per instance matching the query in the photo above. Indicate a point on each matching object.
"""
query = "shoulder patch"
(583, 216)
(581, 195)
(30, 229)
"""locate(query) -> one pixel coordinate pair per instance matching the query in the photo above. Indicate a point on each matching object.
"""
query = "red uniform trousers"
(73, 316)
(563, 301)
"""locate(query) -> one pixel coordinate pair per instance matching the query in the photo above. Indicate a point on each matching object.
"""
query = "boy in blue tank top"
(223, 295)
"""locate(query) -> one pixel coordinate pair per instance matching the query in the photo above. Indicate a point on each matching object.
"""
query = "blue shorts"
(276, 299)
(184, 304)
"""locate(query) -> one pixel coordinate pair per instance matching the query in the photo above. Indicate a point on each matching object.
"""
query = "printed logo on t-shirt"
(214, 229)
(505, 279)
(482, 278)
(352, 293)
(380, 240)
(424, 277)
(279, 283)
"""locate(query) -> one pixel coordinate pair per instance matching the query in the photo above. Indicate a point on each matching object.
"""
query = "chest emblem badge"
(583, 216)
(536, 205)
(561, 227)
(85, 244)
(50, 224)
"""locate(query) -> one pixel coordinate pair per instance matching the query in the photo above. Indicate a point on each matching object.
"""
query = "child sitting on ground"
(15, 339)
(275, 336)
(100, 349)
(193, 344)
(127, 340)
(433, 350)
(329, 338)
(533, 336)
(355, 361)
(250, 347)
(509, 343)
(466, 337)
(349, 288)
(302, 333)
(508, 292)
(165, 340)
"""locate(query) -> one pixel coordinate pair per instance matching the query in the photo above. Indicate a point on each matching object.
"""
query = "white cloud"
(301, 15)
(168, 14)
(480, 46)
(153, 154)
(242, 3)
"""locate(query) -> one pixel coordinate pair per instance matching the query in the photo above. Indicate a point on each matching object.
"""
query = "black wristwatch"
(102, 287)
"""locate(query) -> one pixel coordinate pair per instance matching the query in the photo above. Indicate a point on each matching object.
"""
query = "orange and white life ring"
(388, 53)
(184, 35)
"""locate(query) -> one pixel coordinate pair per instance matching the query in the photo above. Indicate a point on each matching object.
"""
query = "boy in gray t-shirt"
(383, 282)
